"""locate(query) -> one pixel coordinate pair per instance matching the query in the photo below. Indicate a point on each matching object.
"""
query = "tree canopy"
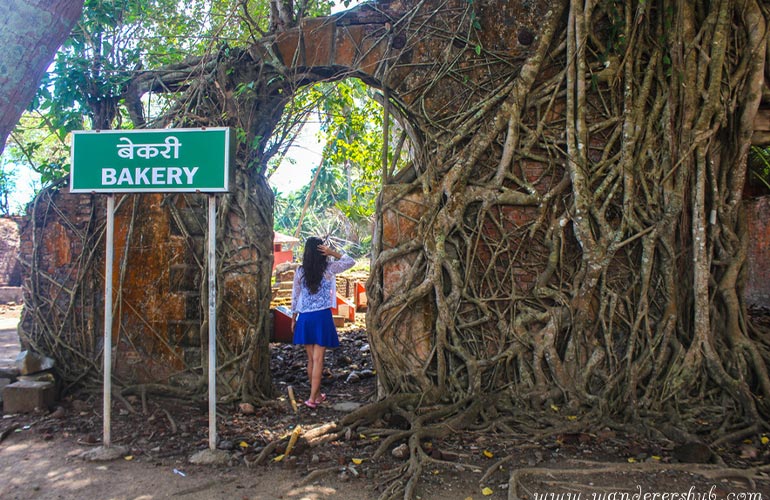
(92, 84)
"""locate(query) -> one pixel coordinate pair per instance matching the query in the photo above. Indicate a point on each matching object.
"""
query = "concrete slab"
(346, 406)
(10, 295)
(25, 396)
(103, 454)
(210, 457)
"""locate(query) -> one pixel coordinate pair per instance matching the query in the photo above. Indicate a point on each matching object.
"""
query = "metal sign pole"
(212, 257)
(195, 160)
(108, 319)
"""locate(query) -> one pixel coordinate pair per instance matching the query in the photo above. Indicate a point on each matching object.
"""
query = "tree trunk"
(31, 35)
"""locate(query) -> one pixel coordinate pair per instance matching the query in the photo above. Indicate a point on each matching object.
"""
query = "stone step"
(11, 295)
(27, 396)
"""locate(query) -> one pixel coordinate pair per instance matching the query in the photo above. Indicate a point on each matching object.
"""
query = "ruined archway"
(159, 318)
(571, 237)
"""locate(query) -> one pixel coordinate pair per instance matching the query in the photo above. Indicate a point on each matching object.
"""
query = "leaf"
(488, 454)
(486, 491)
(357, 461)
(243, 444)
(631, 460)
(477, 49)
(572, 417)
(764, 440)
(554, 408)
(279, 458)
(128, 457)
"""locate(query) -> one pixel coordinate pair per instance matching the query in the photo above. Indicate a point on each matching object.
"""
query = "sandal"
(311, 404)
(321, 399)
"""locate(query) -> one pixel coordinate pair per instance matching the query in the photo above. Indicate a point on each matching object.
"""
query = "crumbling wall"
(159, 321)
(62, 283)
(758, 259)
(10, 272)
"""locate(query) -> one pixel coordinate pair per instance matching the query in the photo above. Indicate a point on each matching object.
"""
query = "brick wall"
(10, 273)
(158, 276)
(758, 277)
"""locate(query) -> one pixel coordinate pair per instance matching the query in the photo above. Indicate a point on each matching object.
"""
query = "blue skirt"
(316, 327)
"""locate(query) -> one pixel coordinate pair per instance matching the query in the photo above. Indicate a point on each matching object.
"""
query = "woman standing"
(313, 296)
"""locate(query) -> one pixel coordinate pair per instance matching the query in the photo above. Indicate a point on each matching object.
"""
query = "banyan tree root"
(580, 242)
(421, 425)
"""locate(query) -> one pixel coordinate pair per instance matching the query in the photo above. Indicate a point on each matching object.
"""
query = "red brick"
(758, 282)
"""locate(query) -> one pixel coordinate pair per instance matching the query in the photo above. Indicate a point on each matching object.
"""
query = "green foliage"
(616, 32)
(759, 167)
(86, 88)
(86, 84)
(342, 202)
(352, 133)
(39, 147)
(7, 186)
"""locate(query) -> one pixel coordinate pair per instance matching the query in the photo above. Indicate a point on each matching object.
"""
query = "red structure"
(283, 248)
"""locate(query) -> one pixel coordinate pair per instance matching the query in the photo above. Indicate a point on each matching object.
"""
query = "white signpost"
(147, 161)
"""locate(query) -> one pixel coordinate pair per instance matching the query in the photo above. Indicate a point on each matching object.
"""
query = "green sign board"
(143, 161)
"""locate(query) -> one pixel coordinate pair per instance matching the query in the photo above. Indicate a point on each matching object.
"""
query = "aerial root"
(738, 435)
(171, 422)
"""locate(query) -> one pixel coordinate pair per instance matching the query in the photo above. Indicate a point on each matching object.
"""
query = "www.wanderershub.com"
(692, 493)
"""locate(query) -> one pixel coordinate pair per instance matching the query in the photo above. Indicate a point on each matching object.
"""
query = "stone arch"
(361, 43)
(423, 58)
(383, 44)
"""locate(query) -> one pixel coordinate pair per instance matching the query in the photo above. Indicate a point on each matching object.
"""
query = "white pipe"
(106, 440)
(212, 257)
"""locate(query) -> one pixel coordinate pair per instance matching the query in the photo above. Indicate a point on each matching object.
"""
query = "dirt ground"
(40, 453)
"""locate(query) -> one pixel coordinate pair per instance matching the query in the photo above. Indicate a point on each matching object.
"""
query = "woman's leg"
(317, 357)
(309, 350)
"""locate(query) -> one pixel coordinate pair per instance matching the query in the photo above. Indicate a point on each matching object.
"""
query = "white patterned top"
(304, 301)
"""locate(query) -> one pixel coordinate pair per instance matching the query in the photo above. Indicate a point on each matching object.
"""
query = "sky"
(306, 152)
(26, 181)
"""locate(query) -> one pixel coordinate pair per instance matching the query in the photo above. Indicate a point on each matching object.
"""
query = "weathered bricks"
(758, 275)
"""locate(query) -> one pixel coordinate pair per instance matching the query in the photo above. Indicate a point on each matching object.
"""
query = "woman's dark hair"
(313, 263)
